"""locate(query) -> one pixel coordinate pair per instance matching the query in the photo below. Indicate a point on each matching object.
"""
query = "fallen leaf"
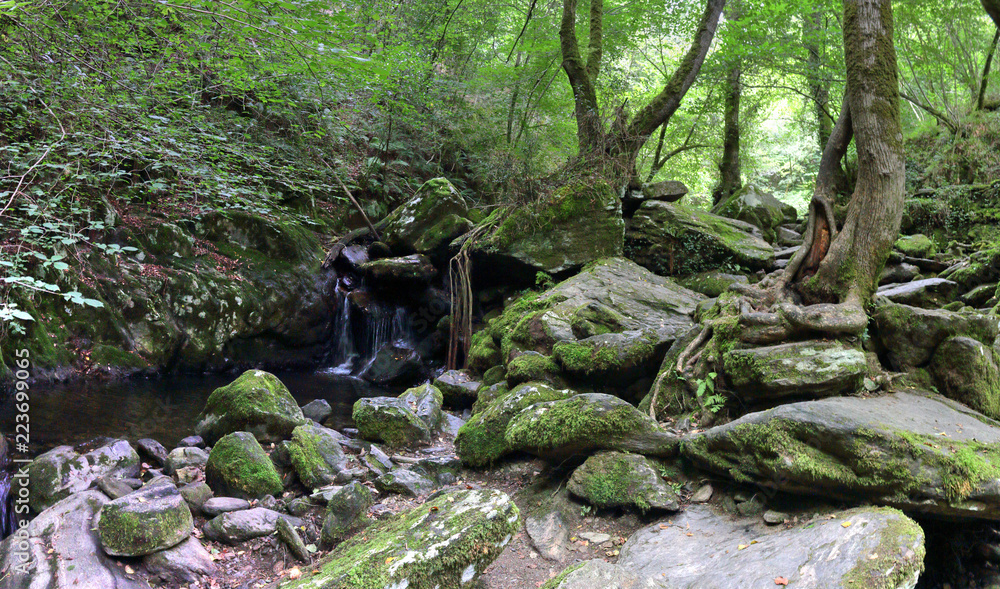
(742, 546)
(295, 573)
(129, 570)
(780, 581)
(846, 524)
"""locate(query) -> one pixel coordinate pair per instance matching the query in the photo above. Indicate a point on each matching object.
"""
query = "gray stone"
(291, 538)
(929, 293)
(317, 410)
(458, 388)
(317, 457)
(184, 457)
(752, 205)
(667, 191)
(113, 488)
(703, 494)
(968, 372)
(712, 283)
(918, 452)
(448, 542)
(405, 271)
(404, 482)
(62, 471)
(256, 402)
(898, 273)
(592, 574)
(911, 334)
(151, 519)
(219, 505)
(346, 511)
(811, 368)
(426, 402)
(196, 494)
(980, 296)
(701, 549)
(788, 237)
(451, 424)
(395, 366)
(595, 537)
(63, 550)
(192, 442)
(616, 479)
(152, 451)
(548, 534)
(375, 459)
(773, 517)
(234, 527)
(673, 239)
(188, 562)
(426, 222)
(389, 420)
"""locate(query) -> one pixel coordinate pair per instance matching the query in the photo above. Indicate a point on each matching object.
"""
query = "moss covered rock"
(911, 334)
(481, 441)
(711, 283)
(618, 479)
(672, 239)
(239, 467)
(346, 511)
(316, 455)
(582, 424)
(575, 224)
(63, 471)
(256, 402)
(874, 548)
(752, 205)
(814, 368)
(425, 401)
(410, 270)
(968, 372)
(458, 388)
(916, 246)
(612, 357)
(887, 450)
(389, 420)
(151, 519)
(445, 543)
(532, 366)
(434, 216)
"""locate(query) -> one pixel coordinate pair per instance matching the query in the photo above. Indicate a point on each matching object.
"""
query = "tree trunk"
(985, 78)
(582, 74)
(993, 9)
(729, 167)
(818, 88)
(849, 271)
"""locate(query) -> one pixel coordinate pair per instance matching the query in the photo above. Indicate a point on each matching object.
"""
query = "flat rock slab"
(929, 293)
(239, 526)
(916, 451)
(864, 547)
(813, 368)
(598, 573)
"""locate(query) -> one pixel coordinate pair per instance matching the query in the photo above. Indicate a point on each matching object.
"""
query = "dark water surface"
(163, 409)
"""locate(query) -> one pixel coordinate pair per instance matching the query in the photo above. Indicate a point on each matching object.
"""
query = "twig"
(20, 182)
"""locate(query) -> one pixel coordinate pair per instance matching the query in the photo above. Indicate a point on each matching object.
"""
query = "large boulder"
(432, 218)
(864, 547)
(581, 424)
(186, 563)
(395, 366)
(668, 191)
(752, 205)
(480, 442)
(59, 549)
(458, 388)
(599, 573)
(576, 224)
(446, 542)
(346, 511)
(814, 368)
(968, 372)
(154, 518)
(619, 479)
(425, 401)
(239, 467)
(256, 402)
(412, 270)
(578, 319)
(911, 334)
(918, 452)
(234, 527)
(672, 239)
(389, 420)
(62, 471)
(317, 456)
(929, 293)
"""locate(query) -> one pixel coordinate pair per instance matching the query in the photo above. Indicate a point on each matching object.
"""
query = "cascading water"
(8, 524)
(363, 326)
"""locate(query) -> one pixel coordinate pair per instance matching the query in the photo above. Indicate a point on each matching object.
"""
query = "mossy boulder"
(619, 479)
(458, 388)
(968, 372)
(916, 246)
(480, 442)
(63, 471)
(432, 217)
(484, 352)
(917, 452)
(395, 366)
(574, 225)
(814, 368)
(612, 357)
(582, 424)
(425, 401)
(980, 268)
(256, 402)
(753, 205)
(446, 543)
(239, 467)
(154, 518)
(911, 334)
(406, 271)
(184, 457)
(346, 511)
(870, 547)
(532, 366)
(671, 239)
(487, 394)
(234, 527)
(316, 455)
(404, 482)
(711, 283)
(389, 420)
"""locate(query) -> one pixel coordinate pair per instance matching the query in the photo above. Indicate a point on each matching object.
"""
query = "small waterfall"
(363, 326)
(8, 523)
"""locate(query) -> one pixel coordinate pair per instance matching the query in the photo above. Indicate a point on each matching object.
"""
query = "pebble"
(703, 494)
(595, 537)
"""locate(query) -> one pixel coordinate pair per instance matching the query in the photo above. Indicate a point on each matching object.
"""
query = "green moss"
(257, 402)
(483, 352)
(388, 423)
(555, 581)
(531, 366)
(138, 533)
(567, 423)
(611, 483)
(238, 465)
(113, 356)
(885, 571)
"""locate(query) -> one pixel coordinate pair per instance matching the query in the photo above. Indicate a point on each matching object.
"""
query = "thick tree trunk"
(993, 9)
(582, 74)
(818, 88)
(849, 271)
(729, 167)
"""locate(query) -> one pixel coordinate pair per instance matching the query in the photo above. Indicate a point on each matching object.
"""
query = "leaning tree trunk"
(849, 270)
